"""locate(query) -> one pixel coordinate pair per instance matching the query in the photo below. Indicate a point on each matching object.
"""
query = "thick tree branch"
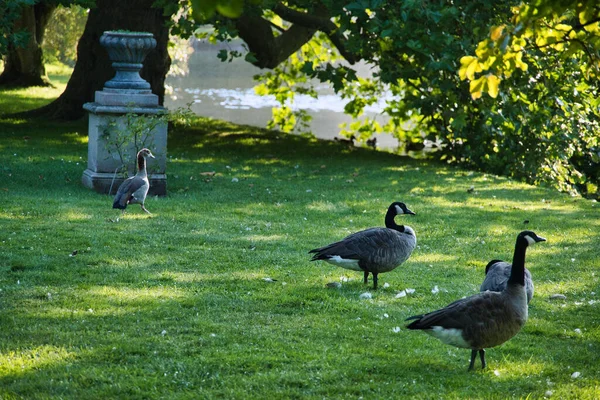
(320, 21)
(271, 50)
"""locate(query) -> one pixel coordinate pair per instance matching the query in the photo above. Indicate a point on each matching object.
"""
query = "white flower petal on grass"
(308, 190)
(386, 315)
(496, 372)
(409, 291)
(575, 375)
(396, 329)
(164, 332)
(269, 280)
(235, 180)
(577, 330)
(365, 296)
(401, 294)
(435, 289)
(386, 285)
(548, 393)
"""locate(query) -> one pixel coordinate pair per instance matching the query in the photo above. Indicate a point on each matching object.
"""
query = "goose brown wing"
(368, 245)
(470, 311)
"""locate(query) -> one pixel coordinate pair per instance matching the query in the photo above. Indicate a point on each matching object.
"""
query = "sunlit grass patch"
(214, 296)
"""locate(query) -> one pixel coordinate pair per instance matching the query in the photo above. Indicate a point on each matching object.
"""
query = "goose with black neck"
(486, 319)
(373, 250)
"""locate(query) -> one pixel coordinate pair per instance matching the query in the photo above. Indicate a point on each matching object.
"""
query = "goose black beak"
(412, 213)
(540, 239)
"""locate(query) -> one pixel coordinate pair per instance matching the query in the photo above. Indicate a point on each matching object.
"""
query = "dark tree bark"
(93, 68)
(271, 50)
(24, 66)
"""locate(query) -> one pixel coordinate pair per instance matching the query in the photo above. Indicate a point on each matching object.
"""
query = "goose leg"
(482, 356)
(144, 208)
(374, 280)
(473, 355)
(366, 276)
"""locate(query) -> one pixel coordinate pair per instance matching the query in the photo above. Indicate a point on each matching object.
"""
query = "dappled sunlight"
(420, 256)
(326, 206)
(265, 238)
(510, 369)
(136, 295)
(74, 216)
(76, 137)
(18, 362)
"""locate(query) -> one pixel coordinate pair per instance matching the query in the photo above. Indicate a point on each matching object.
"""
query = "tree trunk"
(24, 66)
(93, 68)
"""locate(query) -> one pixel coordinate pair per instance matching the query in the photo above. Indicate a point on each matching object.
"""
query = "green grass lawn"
(175, 305)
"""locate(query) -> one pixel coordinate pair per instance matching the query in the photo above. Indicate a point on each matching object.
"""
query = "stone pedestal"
(124, 96)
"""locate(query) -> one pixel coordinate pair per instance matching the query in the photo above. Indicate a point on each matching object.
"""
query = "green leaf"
(203, 9)
(230, 8)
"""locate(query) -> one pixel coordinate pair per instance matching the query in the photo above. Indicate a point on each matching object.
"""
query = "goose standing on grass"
(373, 250)
(134, 190)
(486, 319)
(497, 273)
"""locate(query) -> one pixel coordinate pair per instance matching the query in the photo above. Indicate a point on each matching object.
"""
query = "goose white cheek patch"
(530, 240)
(399, 210)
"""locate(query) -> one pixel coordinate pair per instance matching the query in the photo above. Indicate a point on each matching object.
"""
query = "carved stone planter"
(126, 94)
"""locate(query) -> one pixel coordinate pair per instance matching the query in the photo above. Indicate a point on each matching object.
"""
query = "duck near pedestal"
(134, 190)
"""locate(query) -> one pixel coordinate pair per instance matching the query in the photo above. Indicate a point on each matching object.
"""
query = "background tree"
(10, 12)
(93, 68)
(552, 48)
(62, 34)
(23, 63)
(542, 130)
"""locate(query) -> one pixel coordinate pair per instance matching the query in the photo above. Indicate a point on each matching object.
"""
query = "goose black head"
(145, 153)
(530, 238)
(400, 208)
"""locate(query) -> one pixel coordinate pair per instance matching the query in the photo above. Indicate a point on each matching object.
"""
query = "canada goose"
(349, 141)
(497, 273)
(373, 250)
(134, 190)
(372, 142)
(486, 319)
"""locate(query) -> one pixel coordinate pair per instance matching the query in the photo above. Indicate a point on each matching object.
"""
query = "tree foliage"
(10, 12)
(542, 129)
(63, 32)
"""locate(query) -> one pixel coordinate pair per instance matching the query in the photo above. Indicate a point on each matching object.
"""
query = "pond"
(225, 90)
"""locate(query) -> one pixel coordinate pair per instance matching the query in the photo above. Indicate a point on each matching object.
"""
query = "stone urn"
(127, 51)
(122, 97)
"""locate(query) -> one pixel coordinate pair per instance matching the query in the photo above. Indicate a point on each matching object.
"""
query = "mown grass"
(175, 306)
